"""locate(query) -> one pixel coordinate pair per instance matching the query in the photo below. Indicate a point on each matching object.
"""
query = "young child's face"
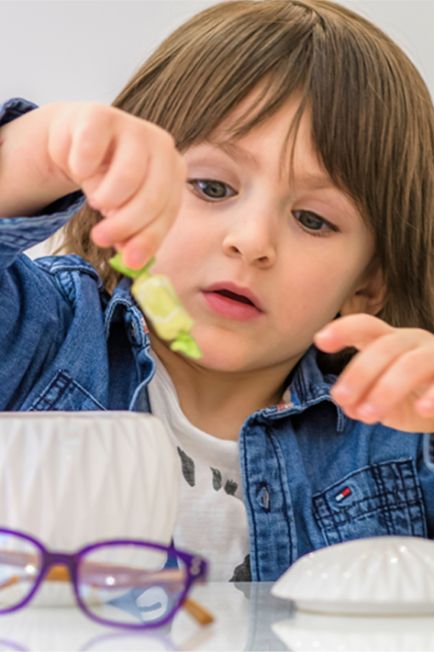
(297, 249)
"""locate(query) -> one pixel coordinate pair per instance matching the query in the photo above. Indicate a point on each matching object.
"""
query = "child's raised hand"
(390, 379)
(129, 170)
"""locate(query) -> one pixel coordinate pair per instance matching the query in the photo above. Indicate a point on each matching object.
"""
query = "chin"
(221, 364)
(222, 356)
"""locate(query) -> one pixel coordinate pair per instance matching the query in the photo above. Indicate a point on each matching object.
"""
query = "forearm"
(28, 179)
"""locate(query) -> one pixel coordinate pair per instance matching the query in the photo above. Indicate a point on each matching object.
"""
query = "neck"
(218, 402)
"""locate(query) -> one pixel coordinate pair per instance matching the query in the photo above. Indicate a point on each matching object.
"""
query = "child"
(295, 219)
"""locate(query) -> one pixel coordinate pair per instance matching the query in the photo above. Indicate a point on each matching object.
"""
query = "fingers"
(129, 169)
(425, 404)
(78, 139)
(91, 139)
(145, 217)
(138, 157)
(363, 370)
(148, 192)
(389, 371)
(352, 330)
(390, 379)
(143, 244)
(120, 179)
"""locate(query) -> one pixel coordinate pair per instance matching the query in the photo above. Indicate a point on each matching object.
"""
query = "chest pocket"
(64, 393)
(381, 499)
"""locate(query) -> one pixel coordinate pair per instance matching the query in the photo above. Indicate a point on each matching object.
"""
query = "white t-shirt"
(212, 518)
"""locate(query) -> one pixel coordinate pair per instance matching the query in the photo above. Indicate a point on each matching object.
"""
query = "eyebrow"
(235, 151)
(314, 181)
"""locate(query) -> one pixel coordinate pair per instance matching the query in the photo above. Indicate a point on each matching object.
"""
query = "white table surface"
(247, 618)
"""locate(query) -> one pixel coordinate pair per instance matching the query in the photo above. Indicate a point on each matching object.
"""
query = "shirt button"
(263, 496)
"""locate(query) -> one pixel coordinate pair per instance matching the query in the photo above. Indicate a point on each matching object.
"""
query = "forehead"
(287, 132)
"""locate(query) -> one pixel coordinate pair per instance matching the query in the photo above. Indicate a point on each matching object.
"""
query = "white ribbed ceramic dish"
(71, 478)
(374, 576)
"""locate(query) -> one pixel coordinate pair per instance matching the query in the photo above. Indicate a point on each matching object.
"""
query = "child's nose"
(253, 240)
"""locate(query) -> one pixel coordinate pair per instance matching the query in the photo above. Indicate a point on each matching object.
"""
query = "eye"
(211, 190)
(314, 223)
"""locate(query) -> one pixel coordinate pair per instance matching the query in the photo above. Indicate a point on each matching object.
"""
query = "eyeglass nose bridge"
(59, 566)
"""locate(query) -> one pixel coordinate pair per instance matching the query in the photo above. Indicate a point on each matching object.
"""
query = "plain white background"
(88, 49)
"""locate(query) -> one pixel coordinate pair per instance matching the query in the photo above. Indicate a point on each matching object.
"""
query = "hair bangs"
(243, 49)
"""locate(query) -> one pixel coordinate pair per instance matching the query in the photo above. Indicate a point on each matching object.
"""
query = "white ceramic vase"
(73, 478)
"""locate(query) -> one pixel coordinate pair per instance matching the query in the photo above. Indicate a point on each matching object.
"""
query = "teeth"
(235, 297)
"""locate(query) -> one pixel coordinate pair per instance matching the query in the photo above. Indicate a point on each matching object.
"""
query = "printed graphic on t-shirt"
(201, 479)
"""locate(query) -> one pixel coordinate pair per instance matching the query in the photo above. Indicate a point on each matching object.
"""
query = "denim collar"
(121, 306)
(309, 384)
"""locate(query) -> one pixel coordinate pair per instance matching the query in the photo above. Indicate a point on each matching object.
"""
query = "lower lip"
(229, 308)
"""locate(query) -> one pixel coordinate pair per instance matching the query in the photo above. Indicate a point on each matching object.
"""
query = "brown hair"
(372, 120)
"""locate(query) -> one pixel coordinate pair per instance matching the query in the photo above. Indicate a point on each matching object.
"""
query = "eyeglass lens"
(20, 564)
(131, 584)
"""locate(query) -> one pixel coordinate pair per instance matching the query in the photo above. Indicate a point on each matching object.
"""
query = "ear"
(370, 294)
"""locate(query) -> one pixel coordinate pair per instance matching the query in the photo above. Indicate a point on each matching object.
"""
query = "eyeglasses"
(126, 583)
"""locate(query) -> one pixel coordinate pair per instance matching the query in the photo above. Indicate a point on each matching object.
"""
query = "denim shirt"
(311, 475)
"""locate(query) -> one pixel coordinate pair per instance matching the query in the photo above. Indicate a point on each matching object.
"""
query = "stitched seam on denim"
(323, 519)
(137, 322)
(341, 420)
(363, 503)
(288, 525)
(60, 382)
(66, 284)
(300, 383)
(84, 391)
(396, 508)
(19, 242)
(64, 262)
(37, 225)
(275, 414)
(389, 495)
(358, 471)
(331, 521)
(421, 503)
(418, 504)
(345, 514)
(382, 494)
(404, 488)
(297, 409)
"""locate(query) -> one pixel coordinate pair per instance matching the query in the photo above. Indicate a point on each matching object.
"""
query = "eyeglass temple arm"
(60, 573)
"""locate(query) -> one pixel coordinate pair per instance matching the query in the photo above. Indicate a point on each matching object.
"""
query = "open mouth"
(229, 303)
(235, 297)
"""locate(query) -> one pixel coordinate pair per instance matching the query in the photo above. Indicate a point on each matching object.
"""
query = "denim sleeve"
(20, 233)
(34, 314)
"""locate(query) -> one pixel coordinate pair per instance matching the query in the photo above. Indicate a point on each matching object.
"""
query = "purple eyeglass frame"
(196, 566)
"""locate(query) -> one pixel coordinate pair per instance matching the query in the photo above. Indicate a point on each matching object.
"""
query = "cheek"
(179, 248)
(308, 300)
